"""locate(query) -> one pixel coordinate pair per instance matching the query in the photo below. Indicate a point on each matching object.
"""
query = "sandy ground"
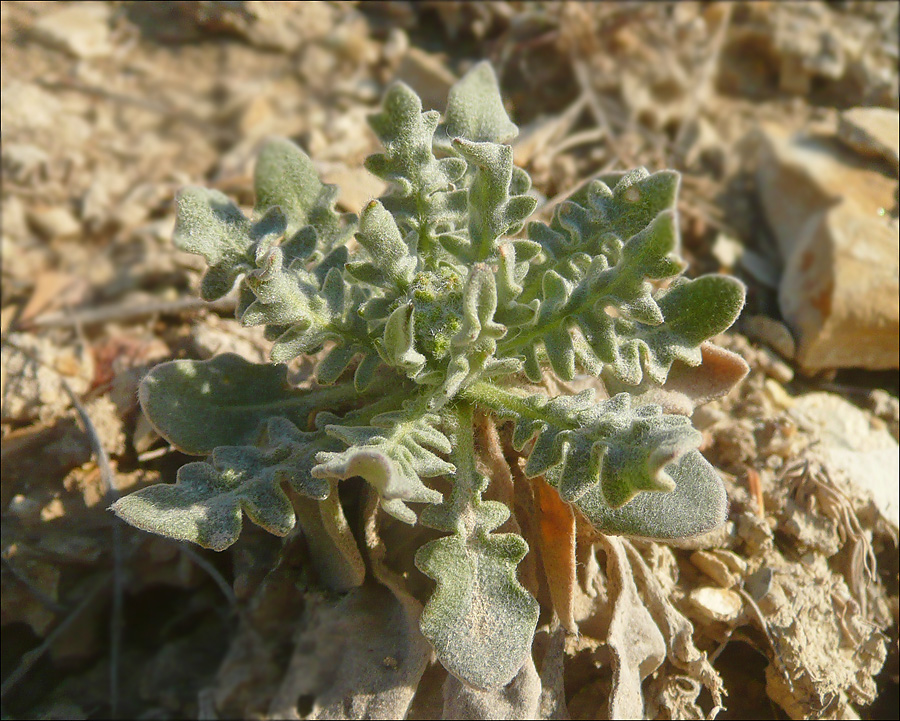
(109, 108)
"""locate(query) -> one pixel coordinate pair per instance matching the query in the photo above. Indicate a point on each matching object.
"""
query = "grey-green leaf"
(204, 506)
(393, 455)
(286, 177)
(199, 405)
(697, 504)
(479, 619)
(475, 108)
(207, 223)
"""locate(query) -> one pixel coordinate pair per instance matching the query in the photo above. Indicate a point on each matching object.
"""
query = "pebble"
(81, 29)
(773, 333)
(717, 604)
(54, 222)
(428, 76)
(715, 568)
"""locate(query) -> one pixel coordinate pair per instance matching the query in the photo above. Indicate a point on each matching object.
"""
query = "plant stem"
(508, 404)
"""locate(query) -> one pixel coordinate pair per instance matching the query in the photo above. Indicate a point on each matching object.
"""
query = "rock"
(15, 224)
(715, 568)
(358, 186)
(855, 448)
(25, 107)
(270, 26)
(887, 408)
(716, 604)
(215, 335)
(763, 269)
(54, 222)
(19, 603)
(872, 131)
(396, 46)
(24, 163)
(840, 293)
(839, 287)
(809, 49)
(812, 48)
(774, 334)
(728, 251)
(81, 29)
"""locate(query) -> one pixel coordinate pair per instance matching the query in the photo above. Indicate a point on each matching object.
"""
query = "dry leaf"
(557, 542)
(638, 648)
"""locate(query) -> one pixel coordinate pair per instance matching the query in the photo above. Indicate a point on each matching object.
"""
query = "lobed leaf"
(206, 502)
(475, 109)
(393, 455)
(599, 311)
(696, 505)
(422, 196)
(207, 223)
(286, 178)
(392, 263)
(582, 444)
(493, 211)
(479, 619)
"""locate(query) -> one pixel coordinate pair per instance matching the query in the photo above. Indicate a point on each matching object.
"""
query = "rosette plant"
(438, 309)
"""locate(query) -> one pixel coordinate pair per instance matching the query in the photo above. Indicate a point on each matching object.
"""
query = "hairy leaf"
(581, 444)
(393, 455)
(422, 199)
(599, 309)
(204, 505)
(479, 619)
(475, 109)
(493, 211)
(696, 505)
(285, 177)
(200, 405)
(209, 224)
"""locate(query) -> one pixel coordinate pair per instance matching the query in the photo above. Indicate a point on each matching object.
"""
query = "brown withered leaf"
(557, 542)
(688, 387)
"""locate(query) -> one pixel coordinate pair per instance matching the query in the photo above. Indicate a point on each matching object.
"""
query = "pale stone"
(715, 568)
(872, 131)
(856, 449)
(771, 332)
(81, 29)
(727, 250)
(799, 177)
(717, 604)
(839, 287)
(54, 222)
(840, 290)
(358, 186)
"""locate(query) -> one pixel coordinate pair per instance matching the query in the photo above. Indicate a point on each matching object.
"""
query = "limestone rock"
(855, 448)
(872, 131)
(829, 210)
(54, 222)
(716, 604)
(81, 29)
